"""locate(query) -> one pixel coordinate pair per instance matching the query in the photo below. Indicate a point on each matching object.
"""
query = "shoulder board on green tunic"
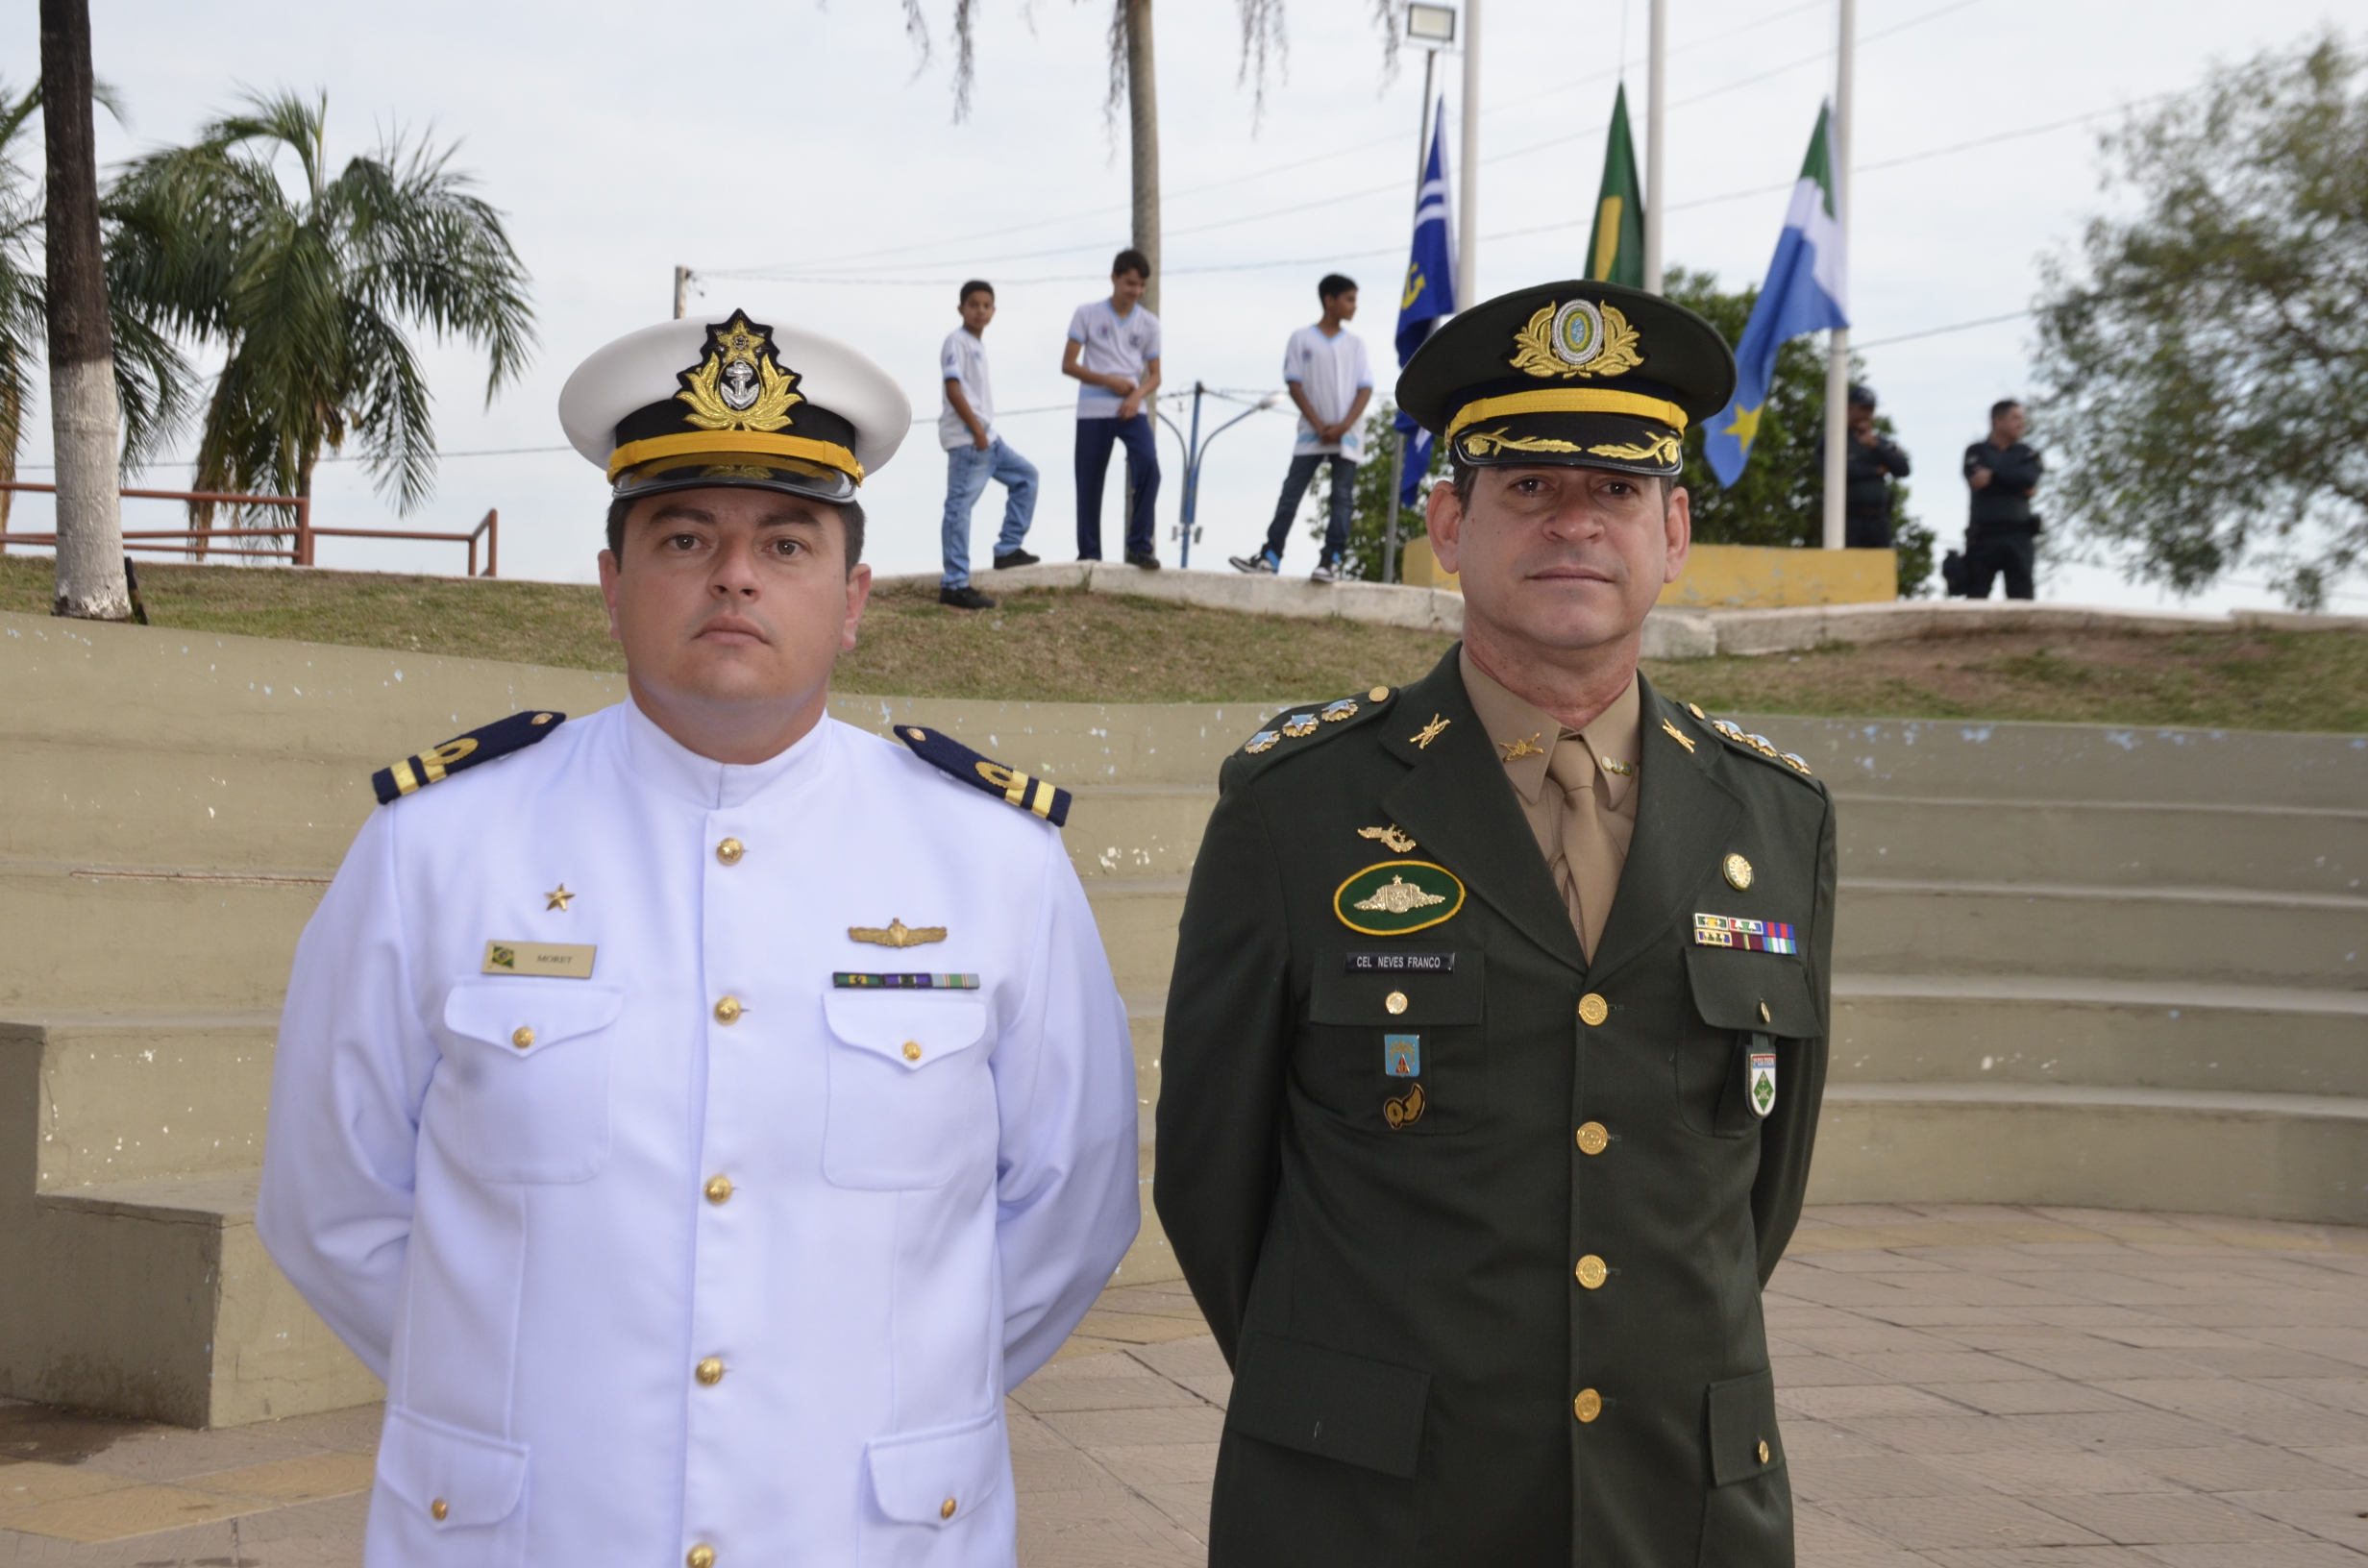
(463, 752)
(1296, 730)
(1759, 746)
(1008, 784)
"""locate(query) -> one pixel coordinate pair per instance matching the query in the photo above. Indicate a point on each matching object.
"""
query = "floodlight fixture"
(1433, 25)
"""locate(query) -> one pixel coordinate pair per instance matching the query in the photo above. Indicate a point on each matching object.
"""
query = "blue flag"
(1805, 292)
(1429, 296)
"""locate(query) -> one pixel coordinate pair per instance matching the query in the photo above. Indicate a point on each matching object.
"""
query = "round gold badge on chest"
(1738, 873)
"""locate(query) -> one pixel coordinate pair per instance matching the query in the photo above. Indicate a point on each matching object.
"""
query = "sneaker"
(965, 597)
(1143, 558)
(1018, 557)
(1326, 572)
(1254, 564)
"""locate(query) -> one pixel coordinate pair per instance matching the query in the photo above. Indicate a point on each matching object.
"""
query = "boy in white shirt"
(1328, 377)
(975, 454)
(1113, 349)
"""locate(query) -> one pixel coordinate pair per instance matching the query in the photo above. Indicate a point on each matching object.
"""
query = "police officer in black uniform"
(2002, 531)
(1870, 462)
(1498, 1026)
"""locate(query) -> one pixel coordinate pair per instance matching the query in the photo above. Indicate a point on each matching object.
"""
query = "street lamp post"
(1196, 451)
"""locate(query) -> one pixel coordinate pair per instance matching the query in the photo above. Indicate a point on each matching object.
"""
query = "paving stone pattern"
(1968, 1388)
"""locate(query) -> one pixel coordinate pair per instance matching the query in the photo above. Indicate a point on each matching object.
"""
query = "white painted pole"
(1838, 362)
(1468, 218)
(1655, 79)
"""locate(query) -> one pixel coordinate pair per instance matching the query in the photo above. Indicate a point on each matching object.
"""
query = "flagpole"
(1397, 438)
(1656, 60)
(1837, 342)
(1468, 218)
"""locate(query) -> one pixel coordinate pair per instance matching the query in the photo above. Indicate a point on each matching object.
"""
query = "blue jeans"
(1303, 466)
(967, 473)
(1093, 439)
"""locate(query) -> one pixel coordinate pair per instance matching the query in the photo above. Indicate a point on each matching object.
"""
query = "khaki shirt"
(1584, 820)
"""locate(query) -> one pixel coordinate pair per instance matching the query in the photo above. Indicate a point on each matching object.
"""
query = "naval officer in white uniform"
(701, 1112)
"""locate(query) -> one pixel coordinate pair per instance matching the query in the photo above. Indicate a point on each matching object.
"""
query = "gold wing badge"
(740, 385)
(897, 934)
(1392, 839)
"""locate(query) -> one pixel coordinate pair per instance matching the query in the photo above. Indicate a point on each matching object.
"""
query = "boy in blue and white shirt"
(975, 454)
(1113, 349)
(1329, 377)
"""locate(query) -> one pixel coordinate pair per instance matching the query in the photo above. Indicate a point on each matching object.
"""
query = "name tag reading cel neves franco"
(554, 960)
(1398, 964)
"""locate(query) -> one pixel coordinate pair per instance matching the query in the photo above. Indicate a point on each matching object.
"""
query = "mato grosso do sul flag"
(1617, 253)
(1806, 292)
(1428, 298)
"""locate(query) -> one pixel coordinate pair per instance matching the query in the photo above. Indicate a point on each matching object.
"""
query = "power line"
(1935, 331)
(777, 272)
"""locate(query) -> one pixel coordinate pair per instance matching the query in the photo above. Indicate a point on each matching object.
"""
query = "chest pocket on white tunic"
(911, 1097)
(526, 1084)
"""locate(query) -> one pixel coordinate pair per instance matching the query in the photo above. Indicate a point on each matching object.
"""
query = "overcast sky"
(805, 163)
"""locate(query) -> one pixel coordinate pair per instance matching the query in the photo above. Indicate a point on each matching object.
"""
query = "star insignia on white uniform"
(558, 898)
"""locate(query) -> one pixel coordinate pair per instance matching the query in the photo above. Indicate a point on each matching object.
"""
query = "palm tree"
(308, 296)
(83, 415)
(151, 380)
(1133, 80)
(22, 321)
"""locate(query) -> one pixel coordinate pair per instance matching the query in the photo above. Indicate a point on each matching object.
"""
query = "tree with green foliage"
(153, 382)
(2204, 362)
(1775, 503)
(311, 295)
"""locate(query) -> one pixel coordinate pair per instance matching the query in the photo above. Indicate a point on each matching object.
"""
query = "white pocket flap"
(540, 1011)
(478, 1479)
(910, 1030)
(940, 1475)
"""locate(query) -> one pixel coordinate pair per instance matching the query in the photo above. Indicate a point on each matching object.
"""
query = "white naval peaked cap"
(736, 401)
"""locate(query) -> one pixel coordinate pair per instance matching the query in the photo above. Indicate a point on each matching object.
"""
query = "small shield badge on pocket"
(1760, 1082)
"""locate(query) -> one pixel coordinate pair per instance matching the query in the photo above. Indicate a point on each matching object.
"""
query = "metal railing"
(298, 552)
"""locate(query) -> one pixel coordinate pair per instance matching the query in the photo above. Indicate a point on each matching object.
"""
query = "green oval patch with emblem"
(1397, 897)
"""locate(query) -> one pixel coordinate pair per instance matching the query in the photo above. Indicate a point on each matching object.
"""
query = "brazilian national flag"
(1615, 253)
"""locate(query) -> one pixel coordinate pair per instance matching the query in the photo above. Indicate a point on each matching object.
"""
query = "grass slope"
(1076, 646)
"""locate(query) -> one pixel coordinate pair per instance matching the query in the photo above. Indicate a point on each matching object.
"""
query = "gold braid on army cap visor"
(829, 453)
(1569, 401)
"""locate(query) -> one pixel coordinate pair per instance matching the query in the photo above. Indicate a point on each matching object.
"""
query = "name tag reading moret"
(554, 960)
(1398, 964)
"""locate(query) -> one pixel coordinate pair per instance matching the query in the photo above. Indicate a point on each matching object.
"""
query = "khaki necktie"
(1589, 871)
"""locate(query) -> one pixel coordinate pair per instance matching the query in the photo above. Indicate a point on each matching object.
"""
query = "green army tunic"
(1481, 1225)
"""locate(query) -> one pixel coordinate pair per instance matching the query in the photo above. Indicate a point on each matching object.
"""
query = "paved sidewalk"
(1963, 1387)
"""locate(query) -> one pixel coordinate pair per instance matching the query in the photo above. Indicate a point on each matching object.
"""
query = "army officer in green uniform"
(1498, 1026)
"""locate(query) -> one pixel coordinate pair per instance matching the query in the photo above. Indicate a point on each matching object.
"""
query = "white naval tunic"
(525, 1233)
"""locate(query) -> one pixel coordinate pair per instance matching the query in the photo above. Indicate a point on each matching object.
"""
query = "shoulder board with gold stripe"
(1758, 746)
(1006, 784)
(463, 752)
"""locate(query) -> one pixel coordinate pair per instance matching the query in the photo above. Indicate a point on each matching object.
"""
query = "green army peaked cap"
(1586, 375)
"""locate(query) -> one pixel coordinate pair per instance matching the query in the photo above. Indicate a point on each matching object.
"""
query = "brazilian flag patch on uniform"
(1397, 897)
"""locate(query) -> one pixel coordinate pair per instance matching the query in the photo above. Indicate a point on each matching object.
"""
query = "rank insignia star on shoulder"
(1759, 745)
(959, 762)
(461, 752)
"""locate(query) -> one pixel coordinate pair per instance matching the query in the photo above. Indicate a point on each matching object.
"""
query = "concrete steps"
(2011, 1030)
(2104, 843)
(2296, 1156)
(2117, 968)
(2233, 935)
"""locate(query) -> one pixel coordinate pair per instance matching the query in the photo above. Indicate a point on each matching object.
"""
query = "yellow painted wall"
(1418, 568)
(1733, 577)
(1763, 577)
